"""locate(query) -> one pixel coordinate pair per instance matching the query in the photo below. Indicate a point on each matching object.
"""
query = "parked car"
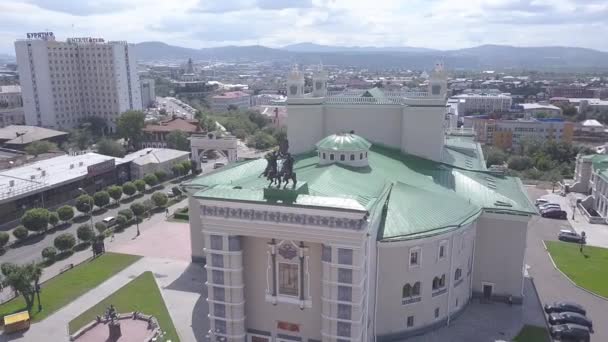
(556, 214)
(109, 221)
(565, 306)
(549, 206)
(204, 159)
(570, 332)
(218, 165)
(170, 194)
(541, 201)
(570, 317)
(569, 235)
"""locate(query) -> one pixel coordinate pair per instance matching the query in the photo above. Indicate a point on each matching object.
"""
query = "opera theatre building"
(392, 226)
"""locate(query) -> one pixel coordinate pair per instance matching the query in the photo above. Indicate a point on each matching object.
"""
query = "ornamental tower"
(319, 82)
(295, 83)
(438, 81)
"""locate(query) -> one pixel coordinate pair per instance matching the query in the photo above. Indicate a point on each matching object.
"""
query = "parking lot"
(550, 283)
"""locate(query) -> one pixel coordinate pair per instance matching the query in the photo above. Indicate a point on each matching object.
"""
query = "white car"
(109, 221)
(541, 201)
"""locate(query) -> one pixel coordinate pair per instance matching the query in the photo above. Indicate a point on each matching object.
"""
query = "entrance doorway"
(487, 290)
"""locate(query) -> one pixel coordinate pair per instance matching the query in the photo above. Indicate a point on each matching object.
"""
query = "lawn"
(587, 269)
(64, 288)
(532, 334)
(142, 295)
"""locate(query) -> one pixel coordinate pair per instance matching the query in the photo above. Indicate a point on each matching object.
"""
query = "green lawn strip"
(64, 288)
(532, 334)
(142, 295)
(587, 269)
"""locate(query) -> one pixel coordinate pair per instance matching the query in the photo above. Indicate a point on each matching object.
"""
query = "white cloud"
(441, 24)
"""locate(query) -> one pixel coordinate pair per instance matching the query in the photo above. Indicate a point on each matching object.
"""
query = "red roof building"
(155, 135)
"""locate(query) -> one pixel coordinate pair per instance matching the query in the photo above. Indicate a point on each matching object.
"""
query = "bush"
(129, 189)
(49, 253)
(65, 213)
(160, 175)
(519, 163)
(178, 170)
(20, 233)
(160, 199)
(35, 219)
(115, 192)
(4, 237)
(187, 165)
(127, 213)
(7, 267)
(65, 242)
(101, 199)
(140, 185)
(151, 180)
(100, 227)
(85, 233)
(53, 218)
(121, 221)
(176, 191)
(138, 209)
(148, 204)
(110, 148)
(84, 203)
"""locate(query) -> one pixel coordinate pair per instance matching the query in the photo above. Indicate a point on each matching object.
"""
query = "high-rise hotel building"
(65, 82)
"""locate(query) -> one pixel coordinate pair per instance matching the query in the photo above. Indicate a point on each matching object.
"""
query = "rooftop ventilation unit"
(33, 177)
(43, 173)
(71, 166)
(81, 163)
(11, 182)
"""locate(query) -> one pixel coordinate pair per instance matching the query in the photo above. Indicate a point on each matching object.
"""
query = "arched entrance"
(224, 144)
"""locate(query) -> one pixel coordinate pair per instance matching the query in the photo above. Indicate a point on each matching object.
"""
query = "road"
(550, 283)
(32, 248)
(172, 106)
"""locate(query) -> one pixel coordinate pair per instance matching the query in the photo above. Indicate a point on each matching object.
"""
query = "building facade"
(508, 134)
(348, 252)
(148, 94)
(63, 83)
(238, 99)
(11, 106)
(155, 135)
(484, 103)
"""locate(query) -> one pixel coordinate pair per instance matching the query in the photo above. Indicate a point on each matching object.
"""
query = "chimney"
(81, 163)
(11, 183)
(43, 173)
(72, 166)
(33, 177)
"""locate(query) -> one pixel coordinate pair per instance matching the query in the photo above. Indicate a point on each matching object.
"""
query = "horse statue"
(271, 171)
(286, 172)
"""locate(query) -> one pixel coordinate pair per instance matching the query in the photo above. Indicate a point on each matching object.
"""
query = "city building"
(63, 83)
(388, 233)
(532, 110)
(277, 115)
(508, 134)
(591, 178)
(11, 106)
(570, 91)
(238, 99)
(19, 136)
(483, 103)
(150, 160)
(148, 95)
(590, 126)
(155, 135)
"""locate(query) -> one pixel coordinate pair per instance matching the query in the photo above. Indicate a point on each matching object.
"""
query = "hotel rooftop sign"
(85, 40)
(41, 35)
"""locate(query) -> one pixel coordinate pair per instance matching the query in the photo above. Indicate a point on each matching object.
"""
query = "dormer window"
(346, 147)
(352, 157)
(342, 157)
(331, 156)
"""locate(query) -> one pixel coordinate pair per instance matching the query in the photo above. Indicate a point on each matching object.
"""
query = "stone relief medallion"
(288, 251)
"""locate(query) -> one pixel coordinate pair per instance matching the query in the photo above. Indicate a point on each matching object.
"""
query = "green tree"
(569, 110)
(49, 253)
(115, 192)
(101, 198)
(262, 141)
(148, 205)
(543, 163)
(161, 175)
(127, 213)
(65, 213)
(95, 125)
(121, 221)
(39, 147)
(130, 126)
(64, 242)
(178, 170)
(495, 156)
(85, 233)
(138, 209)
(24, 279)
(7, 267)
(129, 189)
(160, 199)
(110, 148)
(36, 219)
(187, 165)
(140, 185)
(178, 140)
(84, 203)
(80, 138)
(151, 179)
(4, 237)
(53, 218)
(20, 233)
(176, 191)
(520, 163)
(100, 227)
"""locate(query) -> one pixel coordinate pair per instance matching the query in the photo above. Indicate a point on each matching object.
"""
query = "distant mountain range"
(498, 57)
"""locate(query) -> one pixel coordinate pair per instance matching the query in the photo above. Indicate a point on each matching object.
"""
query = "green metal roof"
(343, 142)
(464, 153)
(387, 167)
(599, 161)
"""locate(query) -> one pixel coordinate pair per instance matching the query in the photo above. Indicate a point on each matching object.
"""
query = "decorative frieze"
(279, 217)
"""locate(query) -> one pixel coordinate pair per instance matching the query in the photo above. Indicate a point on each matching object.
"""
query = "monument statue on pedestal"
(286, 173)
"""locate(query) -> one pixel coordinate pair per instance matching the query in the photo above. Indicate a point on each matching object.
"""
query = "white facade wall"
(485, 103)
(65, 82)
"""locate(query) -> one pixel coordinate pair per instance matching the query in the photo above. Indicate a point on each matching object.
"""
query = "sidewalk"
(124, 237)
(597, 234)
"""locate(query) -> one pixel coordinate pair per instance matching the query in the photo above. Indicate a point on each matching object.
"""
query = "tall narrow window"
(410, 321)
(288, 279)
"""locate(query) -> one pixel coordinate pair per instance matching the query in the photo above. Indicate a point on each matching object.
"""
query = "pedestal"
(115, 331)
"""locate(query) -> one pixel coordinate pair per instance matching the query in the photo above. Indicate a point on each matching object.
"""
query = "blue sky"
(439, 24)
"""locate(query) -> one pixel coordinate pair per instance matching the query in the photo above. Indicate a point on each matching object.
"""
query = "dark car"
(570, 317)
(556, 214)
(565, 307)
(570, 332)
(570, 236)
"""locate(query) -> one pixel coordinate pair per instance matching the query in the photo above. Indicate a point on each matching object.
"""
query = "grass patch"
(532, 334)
(142, 295)
(587, 269)
(64, 288)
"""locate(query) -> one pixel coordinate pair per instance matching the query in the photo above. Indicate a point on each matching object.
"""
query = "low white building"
(484, 103)
(150, 160)
(386, 234)
(533, 109)
(238, 99)
(590, 126)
